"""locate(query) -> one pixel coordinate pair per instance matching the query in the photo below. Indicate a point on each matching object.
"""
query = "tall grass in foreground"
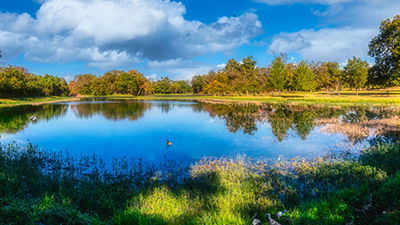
(38, 187)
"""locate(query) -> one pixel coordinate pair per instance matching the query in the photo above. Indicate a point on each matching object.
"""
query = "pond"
(140, 129)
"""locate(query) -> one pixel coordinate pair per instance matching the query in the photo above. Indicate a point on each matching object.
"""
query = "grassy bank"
(34, 101)
(38, 187)
(373, 97)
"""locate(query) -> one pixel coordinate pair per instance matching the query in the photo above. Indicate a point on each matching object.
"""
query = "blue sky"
(182, 38)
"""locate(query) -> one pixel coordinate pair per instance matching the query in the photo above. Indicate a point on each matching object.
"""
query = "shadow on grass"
(52, 188)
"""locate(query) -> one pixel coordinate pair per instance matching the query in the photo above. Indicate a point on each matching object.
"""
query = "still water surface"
(196, 130)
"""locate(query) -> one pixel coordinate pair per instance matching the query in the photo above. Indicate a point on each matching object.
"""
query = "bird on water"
(169, 143)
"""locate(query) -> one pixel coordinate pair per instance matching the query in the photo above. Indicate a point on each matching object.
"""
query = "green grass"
(34, 100)
(372, 97)
(40, 187)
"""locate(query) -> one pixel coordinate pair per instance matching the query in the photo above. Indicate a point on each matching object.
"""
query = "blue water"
(140, 130)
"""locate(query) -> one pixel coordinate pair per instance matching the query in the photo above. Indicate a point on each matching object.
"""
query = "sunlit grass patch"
(240, 191)
(49, 188)
(34, 100)
(325, 212)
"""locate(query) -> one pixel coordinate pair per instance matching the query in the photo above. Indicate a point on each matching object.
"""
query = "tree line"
(246, 78)
(237, 78)
(131, 82)
(18, 82)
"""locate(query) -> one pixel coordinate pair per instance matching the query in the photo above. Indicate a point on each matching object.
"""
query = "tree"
(335, 74)
(304, 78)
(323, 78)
(249, 78)
(126, 83)
(181, 86)
(328, 76)
(83, 84)
(18, 82)
(385, 47)
(163, 86)
(54, 86)
(144, 86)
(289, 83)
(12, 82)
(231, 76)
(215, 88)
(198, 83)
(356, 72)
(278, 74)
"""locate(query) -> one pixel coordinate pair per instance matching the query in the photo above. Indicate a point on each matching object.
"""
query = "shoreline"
(4, 103)
(327, 100)
(285, 98)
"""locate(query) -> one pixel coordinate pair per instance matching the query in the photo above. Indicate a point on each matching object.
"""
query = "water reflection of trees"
(112, 110)
(357, 123)
(237, 116)
(15, 119)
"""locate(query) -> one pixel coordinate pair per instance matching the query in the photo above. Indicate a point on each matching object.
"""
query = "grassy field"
(376, 97)
(38, 187)
(34, 101)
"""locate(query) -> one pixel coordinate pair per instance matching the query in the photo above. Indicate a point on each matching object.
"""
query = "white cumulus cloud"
(106, 33)
(181, 69)
(284, 2)
(322, 2)
(337, 44)
(351, 26)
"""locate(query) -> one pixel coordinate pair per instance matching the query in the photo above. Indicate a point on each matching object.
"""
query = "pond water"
(140, 129)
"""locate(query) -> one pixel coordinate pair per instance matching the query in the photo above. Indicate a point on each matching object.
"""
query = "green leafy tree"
(12, 82)
(111, 78)
(17, 82)
(385, 47)
(328, 75)
(231, 76)
(163, 86)
(55, 86)
(289, 83)
(356, 73)
(34, 85)
(181, 86)
(335, 74)
(216, 88)
(278, 74)
(198, 83)
(304, 78)
(249, 77)
(113, 82)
